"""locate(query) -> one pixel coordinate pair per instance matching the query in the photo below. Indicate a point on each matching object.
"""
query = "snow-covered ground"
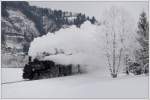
(86, 85)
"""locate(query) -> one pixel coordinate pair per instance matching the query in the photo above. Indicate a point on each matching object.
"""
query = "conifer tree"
(143, 39)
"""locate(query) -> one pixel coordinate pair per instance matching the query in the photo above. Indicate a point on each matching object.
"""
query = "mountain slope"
(21, 23)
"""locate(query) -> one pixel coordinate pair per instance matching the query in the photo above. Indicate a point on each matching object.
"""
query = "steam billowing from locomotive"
(68, 46)
(68, 49)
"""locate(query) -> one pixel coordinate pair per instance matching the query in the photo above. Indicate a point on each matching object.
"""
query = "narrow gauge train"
(46, 69)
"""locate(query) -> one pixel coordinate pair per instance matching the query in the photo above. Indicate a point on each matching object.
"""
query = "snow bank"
(75, 86)
(72, 45)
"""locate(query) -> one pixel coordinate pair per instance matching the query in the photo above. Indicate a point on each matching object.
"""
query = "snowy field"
(87, 85)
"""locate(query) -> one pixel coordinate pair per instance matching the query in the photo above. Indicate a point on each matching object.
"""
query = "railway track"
(14, 82)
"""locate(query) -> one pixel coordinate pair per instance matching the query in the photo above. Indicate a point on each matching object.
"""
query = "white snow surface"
(87, 85)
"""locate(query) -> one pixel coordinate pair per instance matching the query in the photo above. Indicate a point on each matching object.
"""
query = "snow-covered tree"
(143, 39)
(117, 27)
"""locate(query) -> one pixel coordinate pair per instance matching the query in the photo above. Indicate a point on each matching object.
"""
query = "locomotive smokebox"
(30, 59)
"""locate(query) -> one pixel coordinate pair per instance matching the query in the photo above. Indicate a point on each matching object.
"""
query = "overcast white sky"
(95, 8)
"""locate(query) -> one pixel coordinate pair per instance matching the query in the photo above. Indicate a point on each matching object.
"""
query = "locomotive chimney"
(30, 58)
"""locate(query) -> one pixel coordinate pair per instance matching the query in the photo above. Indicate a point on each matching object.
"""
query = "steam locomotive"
(46, 69)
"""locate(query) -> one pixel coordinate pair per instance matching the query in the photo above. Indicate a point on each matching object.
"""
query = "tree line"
(36, 15)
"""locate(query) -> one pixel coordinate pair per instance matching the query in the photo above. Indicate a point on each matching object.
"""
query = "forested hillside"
(21, 23)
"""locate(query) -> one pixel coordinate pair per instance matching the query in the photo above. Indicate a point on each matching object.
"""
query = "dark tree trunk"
(114, 75)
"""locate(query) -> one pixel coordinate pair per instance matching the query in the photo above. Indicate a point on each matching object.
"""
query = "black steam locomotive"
(45, 69)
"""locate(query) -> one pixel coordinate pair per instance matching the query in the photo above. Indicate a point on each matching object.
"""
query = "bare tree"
(115, 28)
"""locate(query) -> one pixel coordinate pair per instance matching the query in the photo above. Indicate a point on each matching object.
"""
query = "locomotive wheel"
(35, 76)
(27, 76)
